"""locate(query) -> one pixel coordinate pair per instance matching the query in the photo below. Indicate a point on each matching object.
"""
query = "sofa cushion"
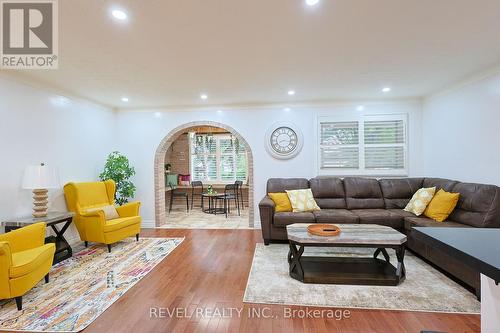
(335, 216)
(439, 183)
(281, 202)
(401, 212)
(25, 262)
(379, 216)
(398, 192)
(286, 218)
(420, 200)
(328, 192)
(363, 193)
(275, 185)
(117, 224)
(478, 205)
(302, 200)
(426, 222)
(441, 205)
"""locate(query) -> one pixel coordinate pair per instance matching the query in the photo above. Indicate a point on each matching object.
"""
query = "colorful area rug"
(83, 287)
(425, 288)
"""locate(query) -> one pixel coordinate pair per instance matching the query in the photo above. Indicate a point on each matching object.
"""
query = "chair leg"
(47, 278)
(19, 303)
(109, 248)
(86, 244)
(136, 237)
(241, 197)
(192, 198)
(226, 206)
(171, 201)
(238, 205)
(187, 203)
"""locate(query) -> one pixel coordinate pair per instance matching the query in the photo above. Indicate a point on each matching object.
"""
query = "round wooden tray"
(323, 230)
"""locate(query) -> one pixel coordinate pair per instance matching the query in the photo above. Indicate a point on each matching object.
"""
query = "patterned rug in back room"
(83, 287)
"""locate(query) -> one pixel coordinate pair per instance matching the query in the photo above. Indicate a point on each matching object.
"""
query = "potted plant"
(118, 168)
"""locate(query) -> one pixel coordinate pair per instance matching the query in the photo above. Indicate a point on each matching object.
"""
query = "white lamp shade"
(40, 177)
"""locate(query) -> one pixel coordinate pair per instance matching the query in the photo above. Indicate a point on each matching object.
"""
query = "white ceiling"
(253, 51)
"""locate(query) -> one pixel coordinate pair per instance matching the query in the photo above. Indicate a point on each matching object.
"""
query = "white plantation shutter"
(339, 145)
(362, 145)
(385, 144)
(217, 158)
(241, 163)
(203, 157)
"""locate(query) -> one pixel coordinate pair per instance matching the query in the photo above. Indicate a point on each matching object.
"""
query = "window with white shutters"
(217, 158)
(366, 145)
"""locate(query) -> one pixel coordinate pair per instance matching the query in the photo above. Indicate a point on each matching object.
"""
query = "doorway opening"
(214, 155)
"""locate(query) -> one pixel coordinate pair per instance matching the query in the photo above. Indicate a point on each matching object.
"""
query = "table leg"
(61, 242)
(296, 270)
(400, 269)
(384, 253)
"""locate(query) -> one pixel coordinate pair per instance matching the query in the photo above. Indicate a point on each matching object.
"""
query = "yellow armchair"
(92, 225)
(24, 261)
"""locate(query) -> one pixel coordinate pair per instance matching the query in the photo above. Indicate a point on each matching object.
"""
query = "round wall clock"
(284, 141)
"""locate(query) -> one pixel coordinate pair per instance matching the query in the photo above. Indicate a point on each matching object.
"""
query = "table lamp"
(40, 178)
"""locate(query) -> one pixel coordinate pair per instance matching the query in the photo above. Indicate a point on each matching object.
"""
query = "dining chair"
(194, 186)
(239, 191)
(230, 193)
(176, 194)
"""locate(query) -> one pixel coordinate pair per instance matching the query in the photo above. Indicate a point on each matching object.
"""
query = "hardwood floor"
(209, 270)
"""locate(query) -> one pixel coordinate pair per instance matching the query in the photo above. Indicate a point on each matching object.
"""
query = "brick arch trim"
(159, 165)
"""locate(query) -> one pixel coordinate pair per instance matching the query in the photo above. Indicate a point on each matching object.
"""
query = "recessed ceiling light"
(360, 108)
(119, 14)
(291, 92)
(286, 109)
(386, 89)
(219, 111)
(158, 114)
(203, 96)
(312, 2)
(125, 99)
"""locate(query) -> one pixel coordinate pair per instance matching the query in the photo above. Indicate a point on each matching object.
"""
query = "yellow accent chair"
(24, 261)
(92, 225)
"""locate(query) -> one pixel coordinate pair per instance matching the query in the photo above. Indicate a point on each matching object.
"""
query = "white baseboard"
(148, 224)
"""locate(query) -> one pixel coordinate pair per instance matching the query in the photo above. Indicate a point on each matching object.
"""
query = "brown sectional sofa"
(372, 201)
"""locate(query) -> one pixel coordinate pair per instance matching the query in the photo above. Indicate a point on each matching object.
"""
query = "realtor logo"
(29, 34)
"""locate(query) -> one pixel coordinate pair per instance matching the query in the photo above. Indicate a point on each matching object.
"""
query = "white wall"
(38, 126)
(490, 305)
(461, 133)
(139, 133)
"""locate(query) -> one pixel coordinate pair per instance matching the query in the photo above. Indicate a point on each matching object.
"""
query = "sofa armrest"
(267, 202)
(129, 209)
(266, 209)
(25, 238)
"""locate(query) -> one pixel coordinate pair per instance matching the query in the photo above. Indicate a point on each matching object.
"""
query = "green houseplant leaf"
(118, 168)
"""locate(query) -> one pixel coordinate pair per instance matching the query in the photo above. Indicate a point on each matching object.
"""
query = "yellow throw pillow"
(281, 201)
(441, 205)
(110, 212)
(420, 200)
(302, 200)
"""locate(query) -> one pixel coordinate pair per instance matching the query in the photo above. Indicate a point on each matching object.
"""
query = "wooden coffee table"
(343, 269)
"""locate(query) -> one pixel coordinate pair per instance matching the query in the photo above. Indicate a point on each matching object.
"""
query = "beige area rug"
(425, 288)
(196, 219)
(81, 288)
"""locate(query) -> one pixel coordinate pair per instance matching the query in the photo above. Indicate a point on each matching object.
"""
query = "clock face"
(283, 140)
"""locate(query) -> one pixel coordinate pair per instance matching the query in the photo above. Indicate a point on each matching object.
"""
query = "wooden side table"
(53, 219)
